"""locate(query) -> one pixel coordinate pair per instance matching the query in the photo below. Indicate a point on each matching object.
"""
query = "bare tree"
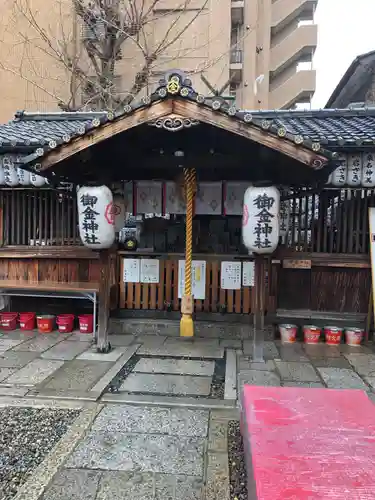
(101, 35)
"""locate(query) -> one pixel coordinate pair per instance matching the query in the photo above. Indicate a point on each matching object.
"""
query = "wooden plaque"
(296, 264)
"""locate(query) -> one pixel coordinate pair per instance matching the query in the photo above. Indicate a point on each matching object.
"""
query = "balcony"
(298, 46)
(298, 88)
(285, 11)
(236, 60)
(237, 8)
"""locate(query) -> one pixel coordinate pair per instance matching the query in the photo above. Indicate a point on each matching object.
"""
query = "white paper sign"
(131, 270)
(198, 272)
(208, 200)
(248, 273)
(174, 202)
(149, 271)
(231, 275)
(149, 197)
(368, 169)
(234, 194)
(354, 169)
(340, 175)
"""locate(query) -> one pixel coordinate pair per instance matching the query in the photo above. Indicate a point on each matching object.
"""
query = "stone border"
(185, 402)
(35, 487)
(230, 388)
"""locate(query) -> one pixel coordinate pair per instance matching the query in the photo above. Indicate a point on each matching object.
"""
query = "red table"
(307, 444)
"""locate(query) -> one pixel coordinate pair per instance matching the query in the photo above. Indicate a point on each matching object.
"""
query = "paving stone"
(341, 378)
(71, 484)
(9, 343)
(269, 349)
(218, 435)
(371, 397)
(217, 482)
(6, 372)
(22, 335)
(97, 356)
(107, 450)
(364, 364)
(289, 383)
(154, 420)
(299, 372)
(361, 349)
(65, 350)
(40, 344)
(77, 375)
(148, 486)
(292, 352)
(176, 366)
(198, 342)
(183, 351)
(12, 359)
(233, 343)
(257, 377)
(13, 391)
(245, 363)
(322, 351)
(80, 337)
(370, 381)
(331, 362)
(230, 385)
(149, 341)
(229, 414)
(35, 372)
(167, 384)
(121, 340)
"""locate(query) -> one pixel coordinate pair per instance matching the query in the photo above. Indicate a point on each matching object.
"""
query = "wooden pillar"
(104, 301)
(258, 309)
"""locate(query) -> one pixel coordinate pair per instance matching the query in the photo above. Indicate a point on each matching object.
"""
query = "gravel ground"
(26, 437)
(236, 458)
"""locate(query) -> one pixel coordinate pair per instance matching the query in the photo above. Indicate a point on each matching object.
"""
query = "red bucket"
(354, 336)
(288, 333)
(311, 334)
(86, 323)
(8, 321)
(65, 323)
(27, 321)
(45, 323)
(333, 335)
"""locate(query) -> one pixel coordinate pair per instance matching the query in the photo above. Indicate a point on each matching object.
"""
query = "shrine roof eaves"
(322, 131)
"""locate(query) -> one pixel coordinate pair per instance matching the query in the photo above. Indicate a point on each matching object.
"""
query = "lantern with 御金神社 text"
(260, 222)
(96, 217)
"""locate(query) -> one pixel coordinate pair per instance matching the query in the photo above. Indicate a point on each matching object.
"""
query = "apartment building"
(257, 52)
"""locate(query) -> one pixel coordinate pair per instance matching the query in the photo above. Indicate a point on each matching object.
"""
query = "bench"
(50, 289)
(320, 318)
(308, 443)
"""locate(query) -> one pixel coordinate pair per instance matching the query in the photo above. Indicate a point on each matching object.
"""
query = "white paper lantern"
(23, 176)
(96, 217)
(37, 180)
(354, 169)
(260, 220)
(119, 212)
(10, 172)
(2, 174)
(368, 170)
(340, 175)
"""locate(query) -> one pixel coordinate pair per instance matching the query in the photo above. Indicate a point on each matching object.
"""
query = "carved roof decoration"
(35, 135)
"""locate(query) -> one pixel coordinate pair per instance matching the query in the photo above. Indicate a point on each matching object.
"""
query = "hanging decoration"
(96, 217)
(23, 177)
(354, 163)
(10, 172)
(260, 219)
(339, 176)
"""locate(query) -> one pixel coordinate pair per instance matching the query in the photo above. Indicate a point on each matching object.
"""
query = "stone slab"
(290, 383)
(150, 340)
(257, 377)
(364, 364)
(107, 450)
(125, 419)
(197, 342)
(65, 351)
(6, 372)
(80, 337)
(331, 362)
(182, 351)
(9, 343)
(35, 372)
(40, 343)
(175, 366)
(341, 378)
(269, 349)
(13, 391)
(12, 359)
(299, 372)
(370, 381)
(121, 485)
(232, 343)
(77, 375)
(218, 436)
(92, 355)
(292, 352)
(73, 484)
(217, 481)
(170, 401)
(361, 349)
(322, 351)
(121, 340)
(167, 384)
(230, 386)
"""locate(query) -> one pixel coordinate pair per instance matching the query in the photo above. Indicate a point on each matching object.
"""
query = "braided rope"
(190, 188)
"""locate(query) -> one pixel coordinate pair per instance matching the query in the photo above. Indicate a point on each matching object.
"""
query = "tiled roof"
(323, 131)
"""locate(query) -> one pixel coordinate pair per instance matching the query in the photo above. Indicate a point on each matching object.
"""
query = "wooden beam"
(139, 117)
(65, 252)
(193, 110)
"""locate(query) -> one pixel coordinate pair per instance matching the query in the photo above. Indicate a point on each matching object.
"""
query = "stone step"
(185, 385)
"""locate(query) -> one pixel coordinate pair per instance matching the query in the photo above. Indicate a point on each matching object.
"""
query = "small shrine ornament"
(260, 220)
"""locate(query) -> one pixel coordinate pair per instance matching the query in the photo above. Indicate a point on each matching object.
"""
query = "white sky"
(346, 30)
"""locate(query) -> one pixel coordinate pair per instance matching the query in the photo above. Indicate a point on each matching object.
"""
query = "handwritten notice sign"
(248, 273)
(131, 271)
(149, 271)
(296, 264)
(231, 275)
(198, 285)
